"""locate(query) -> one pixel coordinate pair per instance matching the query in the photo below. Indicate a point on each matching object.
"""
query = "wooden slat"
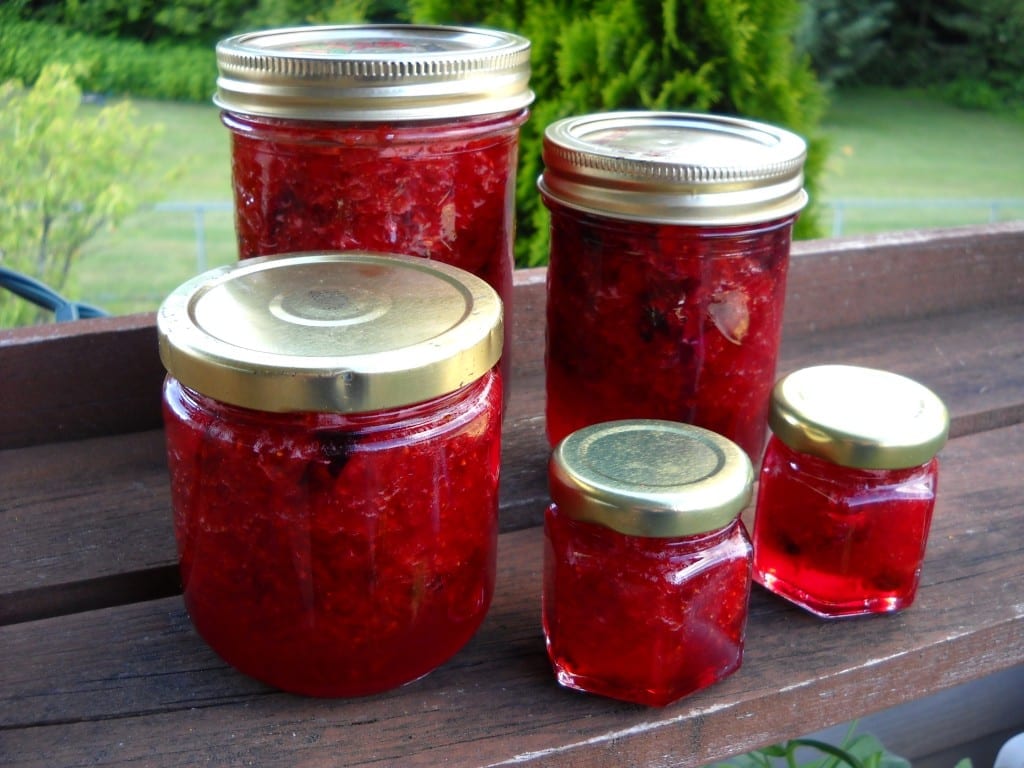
(98, 377)
(134, 684)
(874, 279)
(86, 524)
(82, 379)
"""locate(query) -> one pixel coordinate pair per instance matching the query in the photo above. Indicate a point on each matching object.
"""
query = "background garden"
(115, 173)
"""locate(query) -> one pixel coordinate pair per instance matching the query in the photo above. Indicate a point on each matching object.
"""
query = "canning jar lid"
(858, 417)
(330, 332)
(648, 477)
(373, 72)
(674, 167)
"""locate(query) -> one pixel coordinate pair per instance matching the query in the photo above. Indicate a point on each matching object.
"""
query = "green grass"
(906, 146)
(885, 145)
(132, 268)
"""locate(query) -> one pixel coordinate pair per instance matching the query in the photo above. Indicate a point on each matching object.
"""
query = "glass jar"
(333, 428)
(392, 138)
(847, 489)
(646, 563)
(670, 239)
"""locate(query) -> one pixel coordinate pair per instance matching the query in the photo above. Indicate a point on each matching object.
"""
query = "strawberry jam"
(646, 564)
(336, 555)
(847, 490)
(334, 481)
(389, 138)
(670, 239)
(440, 190)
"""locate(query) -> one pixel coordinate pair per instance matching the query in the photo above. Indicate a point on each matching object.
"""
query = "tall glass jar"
(670, 238)
(646, 562)
(847, 489)
(333, 429)
(393, 138)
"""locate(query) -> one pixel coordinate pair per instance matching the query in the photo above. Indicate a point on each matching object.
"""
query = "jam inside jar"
(839, 540)
(336, 554)
(393, 138)
(670, 240)
(442, 190)
(333, 425)
(847, 489)
(670, 622)
(663, 321)
(646, 563)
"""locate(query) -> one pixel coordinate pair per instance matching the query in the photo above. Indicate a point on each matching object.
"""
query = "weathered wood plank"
(134, 683)
(86, 524)
(96, 377)
(81, 379)
(877, 278)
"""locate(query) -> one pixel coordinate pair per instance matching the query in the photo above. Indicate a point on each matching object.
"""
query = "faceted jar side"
(646, 620)
(839, 541)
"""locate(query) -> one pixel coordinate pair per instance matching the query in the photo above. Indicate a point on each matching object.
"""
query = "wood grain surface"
(100, 665)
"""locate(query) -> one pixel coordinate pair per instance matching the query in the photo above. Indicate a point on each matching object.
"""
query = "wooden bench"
(99, 663)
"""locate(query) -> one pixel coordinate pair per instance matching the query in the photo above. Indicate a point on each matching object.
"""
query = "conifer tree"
(724, 56)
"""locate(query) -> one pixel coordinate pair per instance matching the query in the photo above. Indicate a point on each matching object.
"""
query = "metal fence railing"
(880, 214)
(846, 216)
(198, 211)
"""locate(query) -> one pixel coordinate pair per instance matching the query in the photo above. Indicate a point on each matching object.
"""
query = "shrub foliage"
(725, 56)
(65, 176)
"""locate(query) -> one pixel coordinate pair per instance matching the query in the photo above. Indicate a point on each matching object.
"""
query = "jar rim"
(858, 417)
(340, 332)
(650, 477)
(374, 72)
(674, 167)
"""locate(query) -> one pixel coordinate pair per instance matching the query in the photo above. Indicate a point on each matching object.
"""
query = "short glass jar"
(670, 239)
(646, 562)
(333, 428)
(391, 138)
(847, 489)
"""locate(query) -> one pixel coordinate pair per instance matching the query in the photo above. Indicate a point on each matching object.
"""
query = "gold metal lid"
(330, 332)
(645, 477)
(858, 417)
(373, 72)
(674, 167)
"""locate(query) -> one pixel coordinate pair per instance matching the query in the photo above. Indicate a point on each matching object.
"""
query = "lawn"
(888, 150)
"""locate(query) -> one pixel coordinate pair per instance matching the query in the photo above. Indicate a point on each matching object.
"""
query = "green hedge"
(107, 65)
(725, 56)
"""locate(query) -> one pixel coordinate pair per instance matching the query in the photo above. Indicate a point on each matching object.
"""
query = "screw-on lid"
(674, 167)
(858, 417)
(646, 477)
(373, 72)
(330, 332)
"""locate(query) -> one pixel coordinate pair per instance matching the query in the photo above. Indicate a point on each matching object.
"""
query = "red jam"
(333, 427)
(442, 190)
(838, 540)
(646, 620)
(663, 321)
(336, 554)
(439, 189)
(646, 563)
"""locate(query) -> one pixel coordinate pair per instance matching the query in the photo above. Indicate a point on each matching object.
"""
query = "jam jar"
(847, 488)
(646, 562)
(333, 427)
(391, 138)
(670, 239)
